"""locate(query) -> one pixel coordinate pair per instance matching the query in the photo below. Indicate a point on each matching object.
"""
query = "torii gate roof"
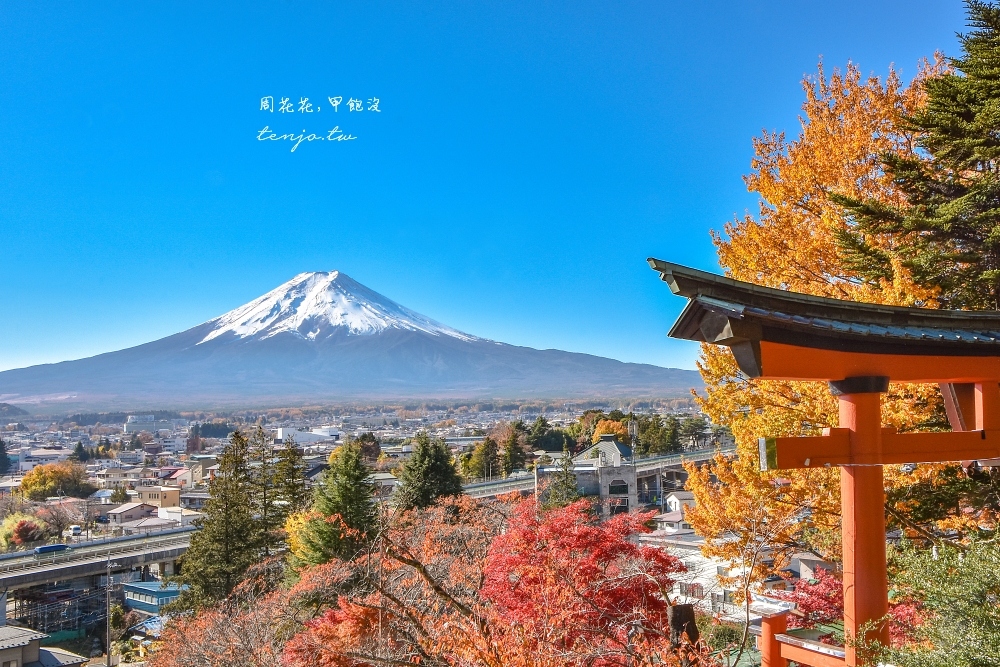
(762, 325)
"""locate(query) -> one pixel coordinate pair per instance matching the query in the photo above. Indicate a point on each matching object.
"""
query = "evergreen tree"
(344, 498)
(672, 426)
(79, 453)
(427, 475)
(512, 457)
(290, 477)
(485, 460)
(692, 430)
(227, 544)
(119, 495)
(562, 488)
(371, 449)
(949, 222)
(268, 514)
(541, 435)
(5, 462)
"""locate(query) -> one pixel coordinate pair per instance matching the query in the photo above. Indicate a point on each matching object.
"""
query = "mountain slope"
(325, 337)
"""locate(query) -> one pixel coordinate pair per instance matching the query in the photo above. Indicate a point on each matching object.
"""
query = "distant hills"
(323, 337)
(8, 411)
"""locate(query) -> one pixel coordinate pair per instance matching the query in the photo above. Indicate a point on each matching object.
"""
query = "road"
(642, 464)
(25, 569)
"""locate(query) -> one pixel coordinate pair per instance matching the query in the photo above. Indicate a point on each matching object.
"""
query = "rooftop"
(12, 636)
(742, 315)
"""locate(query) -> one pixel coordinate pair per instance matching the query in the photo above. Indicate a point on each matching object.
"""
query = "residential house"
(130, 512)
(112, 478)
(180, 515)
(21, 647)
(148, 597)
(679, 501)
(132, 456)
(194, 500)
(385, 484)
(160, 496)
(150, 524)
(181, 477)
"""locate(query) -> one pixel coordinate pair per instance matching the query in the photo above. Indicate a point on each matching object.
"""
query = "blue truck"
(50, 548)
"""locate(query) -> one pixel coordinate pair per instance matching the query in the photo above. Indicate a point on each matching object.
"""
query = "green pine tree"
(268, 513)
(290, 478)
(485, 460)
(119, 495)
(345, 491)
(79, 453)
(513, 456)
(949, 225)
(562, 488)
(427, 475)
(228, 542)
(5, 463)
(672, 425)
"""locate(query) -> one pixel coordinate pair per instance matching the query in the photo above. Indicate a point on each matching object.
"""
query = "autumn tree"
(610, 426)
(428, 474)
(371, 448)
(15, 527)
(848, 124)
(436, 589)
(64, 478)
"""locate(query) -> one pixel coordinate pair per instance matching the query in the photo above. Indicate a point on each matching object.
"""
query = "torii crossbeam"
(858, 348)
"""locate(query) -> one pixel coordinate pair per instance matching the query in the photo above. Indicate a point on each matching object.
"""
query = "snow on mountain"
(317, 304)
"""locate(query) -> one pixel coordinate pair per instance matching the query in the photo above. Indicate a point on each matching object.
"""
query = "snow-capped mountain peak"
(318, 304)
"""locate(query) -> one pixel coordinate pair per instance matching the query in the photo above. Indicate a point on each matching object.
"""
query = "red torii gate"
(858, 348)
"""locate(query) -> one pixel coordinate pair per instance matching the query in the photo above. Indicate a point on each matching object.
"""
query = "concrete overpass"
(650, 465)
(25, 569)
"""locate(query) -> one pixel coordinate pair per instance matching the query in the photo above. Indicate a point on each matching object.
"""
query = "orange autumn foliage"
(607, 426)
(461, 583)
(848, 123)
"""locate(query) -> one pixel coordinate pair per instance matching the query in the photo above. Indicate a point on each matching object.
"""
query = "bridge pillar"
(166, 569)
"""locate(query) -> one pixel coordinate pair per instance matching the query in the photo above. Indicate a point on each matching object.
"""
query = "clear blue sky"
(527, 159)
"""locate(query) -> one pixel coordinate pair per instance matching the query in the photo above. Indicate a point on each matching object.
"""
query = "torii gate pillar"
(863, 524)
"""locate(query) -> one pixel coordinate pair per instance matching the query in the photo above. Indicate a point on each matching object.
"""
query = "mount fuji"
(323, 337)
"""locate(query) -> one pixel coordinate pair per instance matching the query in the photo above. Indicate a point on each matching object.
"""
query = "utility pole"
(107, 650)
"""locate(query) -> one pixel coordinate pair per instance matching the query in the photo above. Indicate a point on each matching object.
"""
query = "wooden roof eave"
(742, 316)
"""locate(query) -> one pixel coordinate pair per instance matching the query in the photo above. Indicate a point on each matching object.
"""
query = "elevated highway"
(642, 464)
(25, 569)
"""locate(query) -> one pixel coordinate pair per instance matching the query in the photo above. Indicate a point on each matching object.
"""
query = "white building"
(317, 435)
(28, 458)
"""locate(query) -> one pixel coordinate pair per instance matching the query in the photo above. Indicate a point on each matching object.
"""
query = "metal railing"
(46, 561)
(499, 487)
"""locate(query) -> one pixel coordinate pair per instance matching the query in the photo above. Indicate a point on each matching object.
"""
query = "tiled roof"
(128, 507)
(12, 636)
(56, 657)
(724, 310)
